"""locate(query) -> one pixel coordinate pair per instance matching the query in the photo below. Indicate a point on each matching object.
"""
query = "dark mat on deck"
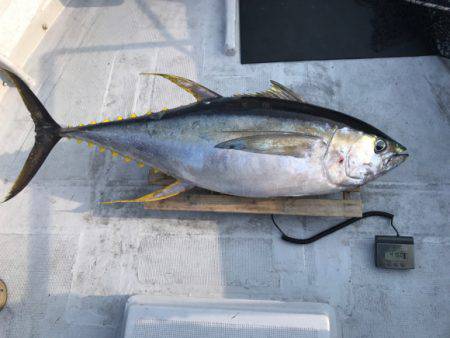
(298, 30)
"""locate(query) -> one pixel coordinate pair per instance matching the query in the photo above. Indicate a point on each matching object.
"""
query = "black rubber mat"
(298, 30)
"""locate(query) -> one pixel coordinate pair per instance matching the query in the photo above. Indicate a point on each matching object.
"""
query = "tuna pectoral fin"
(169, 191)
(195, 89)
(47, 135)
(276, 143)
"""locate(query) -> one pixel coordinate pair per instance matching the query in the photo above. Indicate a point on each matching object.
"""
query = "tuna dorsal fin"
(278, 91)
(276, 143)
(195, 89)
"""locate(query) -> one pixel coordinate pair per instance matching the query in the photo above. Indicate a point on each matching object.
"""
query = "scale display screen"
(396, 256)
(394, 252)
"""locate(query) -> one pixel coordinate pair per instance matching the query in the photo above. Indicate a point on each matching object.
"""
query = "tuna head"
(354, 157)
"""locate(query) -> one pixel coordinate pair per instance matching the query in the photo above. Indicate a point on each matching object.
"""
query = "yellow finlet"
(90, 144)
(106, 121)
(133, 116)
(141, 164)
(81, 125)
(119, 118)
(127, 159)
(102, 149)
(79, 141)
(93, 122)
(114, 153)
(149, 113)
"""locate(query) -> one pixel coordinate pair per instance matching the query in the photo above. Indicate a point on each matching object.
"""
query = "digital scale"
(391, 252)
(394, 252)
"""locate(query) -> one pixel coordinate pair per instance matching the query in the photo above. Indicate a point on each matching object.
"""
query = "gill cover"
(336, 161)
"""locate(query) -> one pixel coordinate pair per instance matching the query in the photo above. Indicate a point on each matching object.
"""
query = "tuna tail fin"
(47, 135)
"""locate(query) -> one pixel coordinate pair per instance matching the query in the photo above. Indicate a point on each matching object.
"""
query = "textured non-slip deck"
(70, 263)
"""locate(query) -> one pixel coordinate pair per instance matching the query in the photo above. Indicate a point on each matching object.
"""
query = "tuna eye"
(380, 145)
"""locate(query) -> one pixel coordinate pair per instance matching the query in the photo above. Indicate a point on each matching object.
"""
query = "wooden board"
(202, 201)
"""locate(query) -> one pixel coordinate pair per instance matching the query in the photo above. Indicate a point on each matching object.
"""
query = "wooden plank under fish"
(350, 205)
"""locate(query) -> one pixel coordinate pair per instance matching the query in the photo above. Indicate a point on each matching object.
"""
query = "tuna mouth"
(396, 159)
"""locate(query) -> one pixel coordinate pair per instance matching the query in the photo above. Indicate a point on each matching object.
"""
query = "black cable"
(335, 228)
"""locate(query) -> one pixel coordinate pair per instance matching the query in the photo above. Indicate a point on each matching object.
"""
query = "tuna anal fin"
(195, 89)
(278, 91)
(282, 143)
(169, 191)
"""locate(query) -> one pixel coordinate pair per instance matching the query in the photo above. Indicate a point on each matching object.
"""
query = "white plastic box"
(165, 317)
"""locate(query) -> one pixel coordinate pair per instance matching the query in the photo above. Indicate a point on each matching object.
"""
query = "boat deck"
(70, 263)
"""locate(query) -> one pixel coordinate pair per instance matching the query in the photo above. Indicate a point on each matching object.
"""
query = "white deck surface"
(71, 263)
